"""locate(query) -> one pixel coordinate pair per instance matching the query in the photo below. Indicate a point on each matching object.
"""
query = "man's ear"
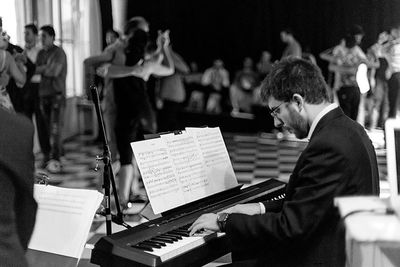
(298, 100)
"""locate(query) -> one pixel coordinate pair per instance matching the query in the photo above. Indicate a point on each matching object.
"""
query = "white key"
(183, 245)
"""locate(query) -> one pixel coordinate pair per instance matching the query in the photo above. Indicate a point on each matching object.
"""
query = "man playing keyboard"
(304, 229)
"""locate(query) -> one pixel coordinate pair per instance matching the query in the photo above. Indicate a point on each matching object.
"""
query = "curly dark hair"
(295, 76)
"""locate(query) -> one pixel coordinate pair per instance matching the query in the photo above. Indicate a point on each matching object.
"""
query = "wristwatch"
(221, 220)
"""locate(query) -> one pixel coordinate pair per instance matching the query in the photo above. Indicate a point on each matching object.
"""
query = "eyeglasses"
(274, 111)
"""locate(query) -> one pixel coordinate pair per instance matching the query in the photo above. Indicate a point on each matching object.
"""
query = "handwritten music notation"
(179, 169)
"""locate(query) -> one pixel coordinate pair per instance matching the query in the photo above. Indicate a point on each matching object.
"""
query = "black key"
(179, 232)
(173, 238)
(151, 244)
(185, 227)
(143, 247)
(173, 235)
(161, 243)
(163, 239)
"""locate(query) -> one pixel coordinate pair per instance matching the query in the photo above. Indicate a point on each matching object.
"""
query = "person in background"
(195, 92)
(51, 64)
(217, 80)
(111, 36)
(17, 205)
(333, 75)
(172, 95)
(135, 116)
(378, 104)
(358, 32)
(264, 65)
(113, 54)
(242, 88)
(9, 68)
(330, 55)
(339, 160)
(293, 48)
(307, 55)
(14, 88)
(31, 88)
(347, 62)
(392, 51)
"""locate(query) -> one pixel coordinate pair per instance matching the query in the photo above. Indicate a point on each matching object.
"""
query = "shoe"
(54, 166)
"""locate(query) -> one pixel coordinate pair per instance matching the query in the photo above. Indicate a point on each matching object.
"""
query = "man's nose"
(278, 122)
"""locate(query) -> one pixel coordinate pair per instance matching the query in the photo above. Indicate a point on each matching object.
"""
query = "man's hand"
(249, 209)
(163, 39)
(102, 71)
(20, 57)
(206, 221)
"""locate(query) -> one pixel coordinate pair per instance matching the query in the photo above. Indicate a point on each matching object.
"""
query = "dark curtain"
(106, 18)
(232, 29)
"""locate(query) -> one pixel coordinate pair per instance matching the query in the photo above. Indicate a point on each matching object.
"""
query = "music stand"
(108, 174)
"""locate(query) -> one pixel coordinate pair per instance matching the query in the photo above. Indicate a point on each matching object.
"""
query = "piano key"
(143, 247)
(172, 235)
(180, 232)
(144, 255)
(173, 238)
(185, 244)
(151, 244)
(161, 243)
(163, 239)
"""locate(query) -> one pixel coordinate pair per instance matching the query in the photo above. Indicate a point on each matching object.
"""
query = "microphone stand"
(108, 175)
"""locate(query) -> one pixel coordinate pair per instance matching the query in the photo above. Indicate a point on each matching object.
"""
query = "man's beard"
(297, 124)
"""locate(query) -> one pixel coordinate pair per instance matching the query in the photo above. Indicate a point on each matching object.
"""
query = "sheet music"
(186, 167)
(63, 219)
(158, 174)
(189, 164)
(216, 158)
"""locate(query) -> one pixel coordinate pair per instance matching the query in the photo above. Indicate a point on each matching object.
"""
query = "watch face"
(222, 217)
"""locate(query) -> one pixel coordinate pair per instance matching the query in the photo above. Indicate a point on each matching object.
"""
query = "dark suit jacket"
(306, 229)
(17, 206)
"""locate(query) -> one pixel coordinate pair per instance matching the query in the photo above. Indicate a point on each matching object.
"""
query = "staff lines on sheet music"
(64, 210)
(178, 169)
(159, 154)
(162, 181)
(193, 185)
(159, 176)
(61, 198)
(165, 190)
(66, 203)
(184, 166)
(153, 171)
(189, 169)
(188, 176)
(180, 158)
(215, 158)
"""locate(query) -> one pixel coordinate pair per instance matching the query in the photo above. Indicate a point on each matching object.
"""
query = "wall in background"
(233, 29)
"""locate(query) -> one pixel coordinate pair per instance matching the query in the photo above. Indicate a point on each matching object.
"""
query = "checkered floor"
(254, 157)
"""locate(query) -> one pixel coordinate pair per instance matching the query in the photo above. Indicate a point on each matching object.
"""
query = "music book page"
(63, 219)
(179, 169)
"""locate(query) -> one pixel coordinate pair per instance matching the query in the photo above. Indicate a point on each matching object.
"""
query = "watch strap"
(221, 220)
